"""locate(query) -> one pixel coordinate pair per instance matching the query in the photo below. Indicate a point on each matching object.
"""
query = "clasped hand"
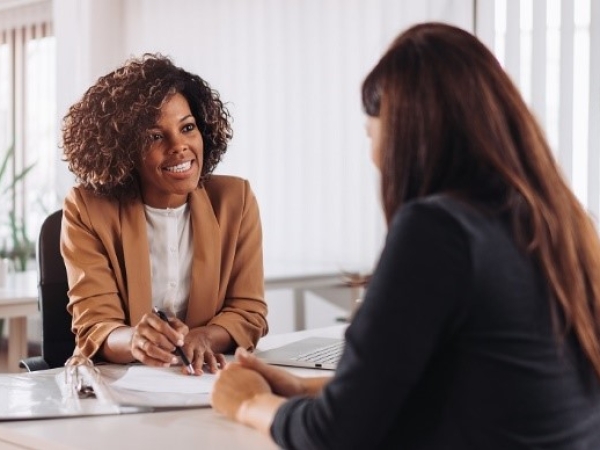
(154, 340)
(247, 378)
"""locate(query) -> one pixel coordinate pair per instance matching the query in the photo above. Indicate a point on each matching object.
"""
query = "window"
(547, 48)
(28, 123)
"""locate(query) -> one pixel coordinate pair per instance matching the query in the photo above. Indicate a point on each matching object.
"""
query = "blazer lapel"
(204, 284)
(137, 260)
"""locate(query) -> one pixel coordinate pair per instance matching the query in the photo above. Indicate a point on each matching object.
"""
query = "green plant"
(21, 248)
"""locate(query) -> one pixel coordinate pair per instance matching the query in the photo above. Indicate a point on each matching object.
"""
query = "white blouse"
(170, 239)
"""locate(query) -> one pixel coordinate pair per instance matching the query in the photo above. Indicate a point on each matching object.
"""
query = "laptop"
(311, 352)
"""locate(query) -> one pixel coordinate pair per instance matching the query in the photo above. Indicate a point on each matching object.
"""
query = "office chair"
(58, 341)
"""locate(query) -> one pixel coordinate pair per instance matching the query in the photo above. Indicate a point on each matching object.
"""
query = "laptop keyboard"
(324, 355)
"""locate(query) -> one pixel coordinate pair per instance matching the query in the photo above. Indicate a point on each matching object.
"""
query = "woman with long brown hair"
(480, 326)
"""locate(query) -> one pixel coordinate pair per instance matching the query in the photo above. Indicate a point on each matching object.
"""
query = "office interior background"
(290, 72)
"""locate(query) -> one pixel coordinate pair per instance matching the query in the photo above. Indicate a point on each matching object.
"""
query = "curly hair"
(105, 133)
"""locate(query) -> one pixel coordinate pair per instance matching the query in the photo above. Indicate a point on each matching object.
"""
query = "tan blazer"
(105, 247)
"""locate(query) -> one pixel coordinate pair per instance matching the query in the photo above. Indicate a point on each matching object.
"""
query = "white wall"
(290, 71)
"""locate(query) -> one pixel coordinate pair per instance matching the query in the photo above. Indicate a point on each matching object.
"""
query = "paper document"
(158, 379)
(153, 387)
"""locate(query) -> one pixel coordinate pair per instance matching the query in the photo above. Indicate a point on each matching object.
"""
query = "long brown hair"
(453, 121)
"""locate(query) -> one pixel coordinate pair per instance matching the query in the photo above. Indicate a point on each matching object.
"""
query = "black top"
(453, 348)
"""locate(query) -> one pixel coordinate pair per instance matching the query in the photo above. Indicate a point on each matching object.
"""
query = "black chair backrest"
(58, 341)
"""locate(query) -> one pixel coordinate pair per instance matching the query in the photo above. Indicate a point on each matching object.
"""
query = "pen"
(178, 349)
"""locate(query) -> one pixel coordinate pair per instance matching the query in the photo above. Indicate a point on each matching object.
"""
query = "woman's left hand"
(199, 346)
(234, 386)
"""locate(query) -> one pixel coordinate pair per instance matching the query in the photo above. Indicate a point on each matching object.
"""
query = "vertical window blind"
(551, 49)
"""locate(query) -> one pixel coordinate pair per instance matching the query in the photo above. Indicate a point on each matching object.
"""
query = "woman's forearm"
(117, 346)
(314, 385)
(259, 411)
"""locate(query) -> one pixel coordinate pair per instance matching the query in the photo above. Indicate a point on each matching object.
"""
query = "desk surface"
(195, 428)
(295, 275)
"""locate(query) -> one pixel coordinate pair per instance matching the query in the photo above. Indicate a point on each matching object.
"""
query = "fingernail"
(179, 342)
(244, 352)
(174, 360)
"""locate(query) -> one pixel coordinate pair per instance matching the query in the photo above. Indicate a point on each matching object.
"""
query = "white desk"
(192, 428)
(310, 277)
(18, 300)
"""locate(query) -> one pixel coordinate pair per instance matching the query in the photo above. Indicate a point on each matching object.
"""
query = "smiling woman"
(149, 226)
(172, 166)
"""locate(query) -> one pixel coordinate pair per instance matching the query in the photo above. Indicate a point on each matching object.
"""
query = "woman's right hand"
(153, 340)
(282, 382)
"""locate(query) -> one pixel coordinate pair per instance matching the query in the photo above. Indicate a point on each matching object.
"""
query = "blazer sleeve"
(244, 310)
(94, 299)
